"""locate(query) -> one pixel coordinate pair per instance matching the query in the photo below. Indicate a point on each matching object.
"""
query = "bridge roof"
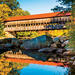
(38, 16)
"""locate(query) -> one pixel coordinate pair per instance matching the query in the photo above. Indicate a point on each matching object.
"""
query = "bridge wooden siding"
(34, 24)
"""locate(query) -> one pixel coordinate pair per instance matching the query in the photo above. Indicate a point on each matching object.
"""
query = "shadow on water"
(36, 55)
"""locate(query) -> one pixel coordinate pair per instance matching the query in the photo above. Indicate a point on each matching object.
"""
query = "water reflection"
(36, 69)
(13, 68)
(10, 68)
(16, 67)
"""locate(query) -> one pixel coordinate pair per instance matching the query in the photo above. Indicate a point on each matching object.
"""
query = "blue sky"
(38, 6)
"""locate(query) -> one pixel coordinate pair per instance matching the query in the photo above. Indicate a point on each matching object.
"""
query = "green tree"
(61, 8)
(71, 4)
(27, 13)
(13, 4)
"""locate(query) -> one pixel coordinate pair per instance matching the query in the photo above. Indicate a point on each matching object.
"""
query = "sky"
(38, 6)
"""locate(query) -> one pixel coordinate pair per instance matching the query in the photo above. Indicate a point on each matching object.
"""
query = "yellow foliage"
(58, 32)
(1, 73)
(1, 67)
(6, 69)
(4, 11)
(19, 12)
(6, 64)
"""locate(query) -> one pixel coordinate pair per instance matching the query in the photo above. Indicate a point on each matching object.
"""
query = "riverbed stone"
(15, 42)
(47, 49)
(60, 50)
(73, 63)
(66, 53)
(72, 58)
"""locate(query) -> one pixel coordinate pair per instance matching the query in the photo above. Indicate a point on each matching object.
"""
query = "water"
(36, 69)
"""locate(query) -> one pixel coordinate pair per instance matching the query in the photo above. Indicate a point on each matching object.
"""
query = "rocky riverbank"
(42, 48)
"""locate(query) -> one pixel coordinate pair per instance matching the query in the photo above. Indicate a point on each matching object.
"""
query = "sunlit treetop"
(13, 4)
(4, 11)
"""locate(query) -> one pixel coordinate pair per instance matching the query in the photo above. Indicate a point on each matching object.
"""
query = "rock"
(8, 45)
(70, 62)
(67, 52)
(57, 42)
(66, 42)
(2, 46)
(9, 52)
(15, 42)
(1, 41)
(6, 40)
(50, 59)
(60, 50)
(15, 50)
(73, 63)
(59, 45)
(54, 45)
(37, 43)
(47, 49)
(72, 58)
(62, 39)
(22, 41)
(63, 45)
(20, 51)
(56, 39)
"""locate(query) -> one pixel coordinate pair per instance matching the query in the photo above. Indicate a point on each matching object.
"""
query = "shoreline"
(32, 61)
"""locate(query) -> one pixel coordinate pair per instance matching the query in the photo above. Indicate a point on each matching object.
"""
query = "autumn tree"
(19, 12)
(10, 8)
(27, 13)
(4, 13)
(13, 4)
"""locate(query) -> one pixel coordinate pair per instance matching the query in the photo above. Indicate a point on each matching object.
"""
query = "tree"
(61, 8)
(4, 13)
(19, 12)
(27, 13)
(71, 4)
(13, 4)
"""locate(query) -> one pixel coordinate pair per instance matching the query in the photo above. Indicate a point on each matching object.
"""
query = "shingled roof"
(38, 16)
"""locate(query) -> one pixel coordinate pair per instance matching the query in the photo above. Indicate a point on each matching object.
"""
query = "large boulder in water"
(8, 45)
(37, 43)
(15, 42)
(6, 40)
